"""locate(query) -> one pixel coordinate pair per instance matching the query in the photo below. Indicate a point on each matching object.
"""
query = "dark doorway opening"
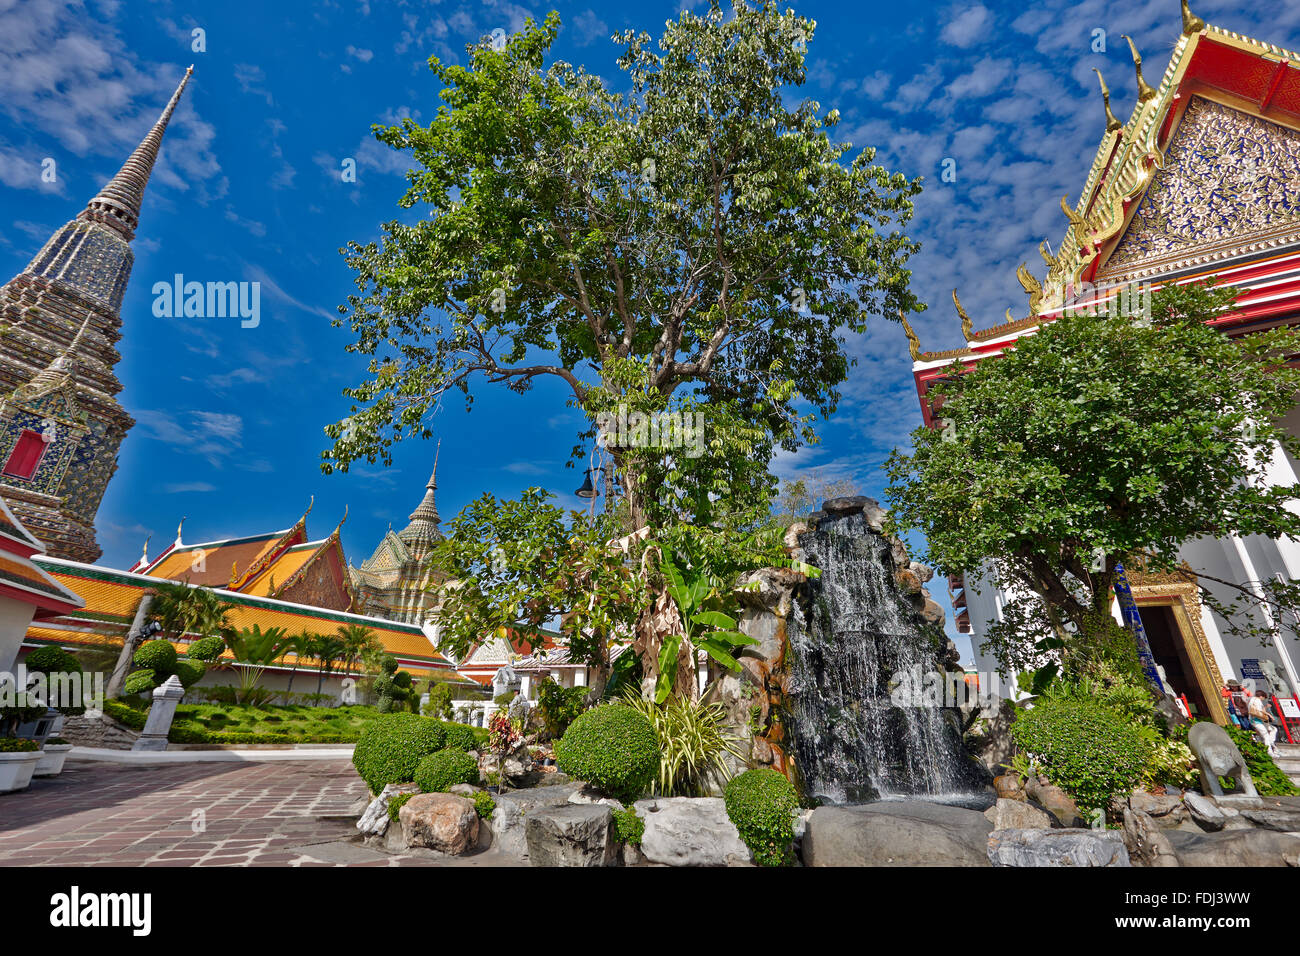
(1170, 651)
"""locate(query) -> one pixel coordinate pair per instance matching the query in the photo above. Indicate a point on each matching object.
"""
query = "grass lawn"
(233, 724)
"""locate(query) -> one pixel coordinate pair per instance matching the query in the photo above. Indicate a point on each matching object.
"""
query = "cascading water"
(851, 635)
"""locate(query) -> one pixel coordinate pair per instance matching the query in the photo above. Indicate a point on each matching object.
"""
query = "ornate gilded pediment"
(1229, 178)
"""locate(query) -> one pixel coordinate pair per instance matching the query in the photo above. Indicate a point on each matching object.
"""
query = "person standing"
(1261, 722)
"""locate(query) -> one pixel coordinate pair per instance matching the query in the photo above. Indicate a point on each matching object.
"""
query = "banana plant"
(704, 626)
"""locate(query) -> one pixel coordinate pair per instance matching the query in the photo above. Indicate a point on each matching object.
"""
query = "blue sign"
(1128, 609)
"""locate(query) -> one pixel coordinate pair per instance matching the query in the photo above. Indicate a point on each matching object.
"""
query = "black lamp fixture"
(588, 490)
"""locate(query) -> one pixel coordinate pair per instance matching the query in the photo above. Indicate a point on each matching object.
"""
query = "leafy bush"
(559, 706)
(484, 805)
(392, 746)
(762, 803)
(1086, 749)
(1269, 780)
(503, 700)
(396, 803)
(17, 745)
(439, 772)
(157, 656)
(693, 747)
(628, 827)
(52, 660)
(206, 649)
(124, 713)
(461, 737)
(614, 748)
(439, 703)
(140, 682)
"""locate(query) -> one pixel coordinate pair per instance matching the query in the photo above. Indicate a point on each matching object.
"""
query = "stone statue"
(1218, 756)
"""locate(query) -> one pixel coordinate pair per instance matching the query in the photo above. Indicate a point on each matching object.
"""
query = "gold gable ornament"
(913, 343)
(967, 326)
(1145, 92)
(1112, 123)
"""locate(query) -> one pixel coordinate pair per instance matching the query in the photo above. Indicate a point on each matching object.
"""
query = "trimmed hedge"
(461, 736)
(762, 803)
(439, 772)
(1089, 751)
(156, 656)
(17, 745)
(612, 747)
(392, 746)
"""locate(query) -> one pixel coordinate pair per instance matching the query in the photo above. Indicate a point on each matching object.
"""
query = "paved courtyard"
(285, 813)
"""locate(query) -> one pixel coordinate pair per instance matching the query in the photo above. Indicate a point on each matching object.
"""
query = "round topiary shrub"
(392, 746)
(51, 660)
(139, 682)
(1089, 751)
(206, 649)
(190, 672)
(158, 656)
(613, 748)
(439, 772)
(460, 737)
(762, 803)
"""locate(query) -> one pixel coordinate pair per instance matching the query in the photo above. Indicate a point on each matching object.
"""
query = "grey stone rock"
(902, 833)
(464, 790)
(846, 505)
(590, 795)
(1167, 811)
(1055, 801)
(1146, 844)
(1283, 821)
(1204, 813)
(1018, 815)
(374, 821)
(690, 831)
(1236, 848)
(513, 809)
(571, 835)
(1071, 847)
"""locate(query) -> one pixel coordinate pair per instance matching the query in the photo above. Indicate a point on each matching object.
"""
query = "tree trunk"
(658, 622)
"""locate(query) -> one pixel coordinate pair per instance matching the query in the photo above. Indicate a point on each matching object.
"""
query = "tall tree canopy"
(697, 238)
(1098, 440)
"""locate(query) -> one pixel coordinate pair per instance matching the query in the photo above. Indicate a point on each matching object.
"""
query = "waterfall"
(852, 633)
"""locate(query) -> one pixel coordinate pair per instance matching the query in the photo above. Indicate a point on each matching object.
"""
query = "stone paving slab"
(194, 814)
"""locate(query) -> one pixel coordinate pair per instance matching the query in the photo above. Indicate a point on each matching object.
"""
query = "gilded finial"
(341, 520)
(966, 325)
(234, 573)
(1075, 219)
(1033, 288)
(1045, 251)
(178, 530)
(1009, 318)
(144, 551)
(1145, 92)
(913, 343)
(1191, 22)
(1112, 123)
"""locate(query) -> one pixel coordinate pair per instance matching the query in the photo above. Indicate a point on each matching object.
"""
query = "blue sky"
(229, 419)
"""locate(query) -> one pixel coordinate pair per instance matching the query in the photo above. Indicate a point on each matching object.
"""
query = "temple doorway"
(1169, 647)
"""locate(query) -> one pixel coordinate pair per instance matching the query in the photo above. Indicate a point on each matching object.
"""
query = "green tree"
(183, 609)
(700, 237)
(256, 650)
(1098, 440)
(329, 652)
(300, 646)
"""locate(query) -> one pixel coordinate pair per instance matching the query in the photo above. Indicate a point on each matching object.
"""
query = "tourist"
(1262, 722)
(1235, 700)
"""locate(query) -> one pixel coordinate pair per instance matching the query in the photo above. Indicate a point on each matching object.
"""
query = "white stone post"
(159, 722)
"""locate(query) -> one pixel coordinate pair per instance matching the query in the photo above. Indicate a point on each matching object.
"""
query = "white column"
(1253, 583)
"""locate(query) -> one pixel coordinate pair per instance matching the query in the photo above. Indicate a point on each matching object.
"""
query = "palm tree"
(328, 651)
(256, 650)
(357, 641)
(300, 646)
(181, 609)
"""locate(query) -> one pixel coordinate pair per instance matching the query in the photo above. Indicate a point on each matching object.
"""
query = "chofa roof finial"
(1145, 92)
(913, 343)
(1191, 22)
(967, 326)
(1112, 123)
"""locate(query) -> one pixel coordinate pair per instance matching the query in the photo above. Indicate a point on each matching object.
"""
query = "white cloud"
(967, 26)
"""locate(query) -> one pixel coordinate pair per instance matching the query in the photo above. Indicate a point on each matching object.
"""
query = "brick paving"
(192, 814)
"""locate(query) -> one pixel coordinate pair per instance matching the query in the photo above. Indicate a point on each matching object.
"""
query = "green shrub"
(124, 713)
(460, 737)
(762, 803)
(1269, 780)
(559, 706)
(190, 672)
(392, 746)
(17, 745)
(484, 805)
(395, 805)
(158, 656)
(693, 743)
(628, 827)
(139, 682)
(439, 704)
(613, 748)
(206, 649)
(439, 772)
(1089, 751)
(51, 660)
(503, 700)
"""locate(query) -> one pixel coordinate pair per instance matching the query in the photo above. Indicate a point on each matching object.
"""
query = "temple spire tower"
(60, 422)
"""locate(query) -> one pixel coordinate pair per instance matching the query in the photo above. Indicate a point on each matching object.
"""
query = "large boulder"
(571, 835)
(1281, 820)
(690, 831)
(1146, 844)
(1055, 801)
(374, 819)
(1057, 848)
(1018, 815)
(513, 808)
(1236, 848)
(440, 821)
(902, 833)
